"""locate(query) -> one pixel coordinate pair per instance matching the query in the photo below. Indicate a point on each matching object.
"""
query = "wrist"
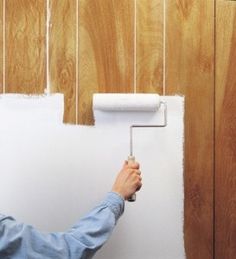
(116, 203)
(118, 193)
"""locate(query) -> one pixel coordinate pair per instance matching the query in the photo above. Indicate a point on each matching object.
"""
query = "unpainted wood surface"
(62, 54)
(190, 71)
(25, 46)
(225, 168)
(149, 53)
(106, 50)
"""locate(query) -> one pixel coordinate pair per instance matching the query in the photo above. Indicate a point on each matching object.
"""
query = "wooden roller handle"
(131, 159)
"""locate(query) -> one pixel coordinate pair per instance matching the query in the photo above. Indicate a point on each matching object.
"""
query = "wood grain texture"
(25, 46)
(190, 71)
(225, 187)
(62, 54)
(150, 46)
(1, 47)
(106, 50)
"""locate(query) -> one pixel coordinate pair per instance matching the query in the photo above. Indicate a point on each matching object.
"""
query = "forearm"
(92, 231)
(82, 241)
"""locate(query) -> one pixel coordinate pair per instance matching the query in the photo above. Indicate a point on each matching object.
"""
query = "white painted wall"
(52, 174)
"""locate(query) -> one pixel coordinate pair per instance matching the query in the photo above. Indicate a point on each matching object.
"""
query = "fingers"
(135, 174)
(138, 181)
(133, 170)
(139, 185)
(133, 165)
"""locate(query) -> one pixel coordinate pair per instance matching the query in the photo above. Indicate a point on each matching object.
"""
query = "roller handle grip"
(131, 159)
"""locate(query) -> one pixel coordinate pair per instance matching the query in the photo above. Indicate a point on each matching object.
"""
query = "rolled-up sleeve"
(21, 241)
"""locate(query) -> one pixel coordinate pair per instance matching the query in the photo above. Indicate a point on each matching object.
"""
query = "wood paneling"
(105, 57)
(62, 53)
(25, 46)
(106, 50)
(190, 71)
(225, 187)
(1, 47)
(150, 46)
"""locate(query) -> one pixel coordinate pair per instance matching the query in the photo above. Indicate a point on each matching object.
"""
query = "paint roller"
(114, 102)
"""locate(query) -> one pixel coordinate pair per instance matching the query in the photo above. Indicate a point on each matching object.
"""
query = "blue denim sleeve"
(19, 241)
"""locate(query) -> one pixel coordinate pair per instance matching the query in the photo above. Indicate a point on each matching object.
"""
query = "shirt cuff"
(116, 203)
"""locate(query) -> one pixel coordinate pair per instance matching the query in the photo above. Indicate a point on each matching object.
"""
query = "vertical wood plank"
(25, 46)
(190, 71)
(1, 47)
(225, 168)
(62, 54)
(150, 46)
(106, 50)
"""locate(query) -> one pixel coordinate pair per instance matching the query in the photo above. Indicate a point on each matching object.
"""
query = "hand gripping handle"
(131, 159)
